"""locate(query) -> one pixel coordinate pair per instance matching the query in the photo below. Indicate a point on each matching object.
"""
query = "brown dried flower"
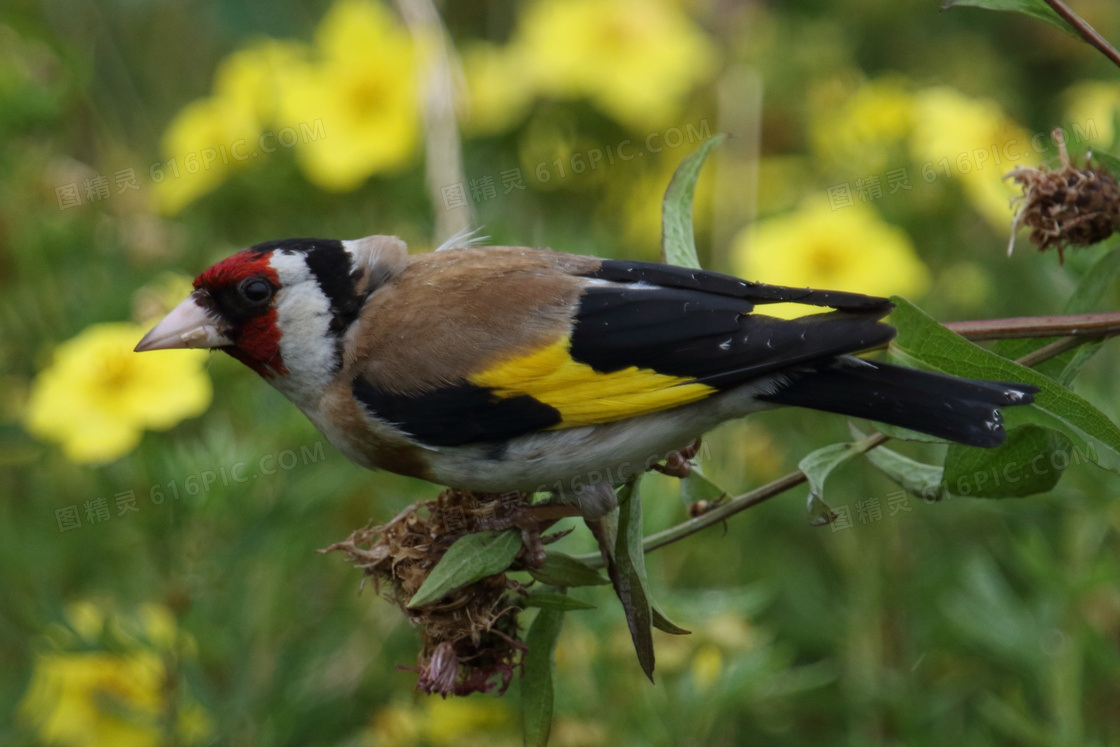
(1068, 207)
(469, 638)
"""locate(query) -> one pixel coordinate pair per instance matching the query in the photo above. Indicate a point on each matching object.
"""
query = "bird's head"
(282, 307)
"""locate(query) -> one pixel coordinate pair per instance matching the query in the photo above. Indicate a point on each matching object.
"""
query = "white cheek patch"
(303, 314)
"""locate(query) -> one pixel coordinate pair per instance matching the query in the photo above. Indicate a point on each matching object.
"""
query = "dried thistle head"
(1068, 207)
(469, 638)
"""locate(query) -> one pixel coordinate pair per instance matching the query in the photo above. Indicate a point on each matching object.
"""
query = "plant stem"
(1054, 349)
(1087, 32)
(759, 495)
(1096, 325)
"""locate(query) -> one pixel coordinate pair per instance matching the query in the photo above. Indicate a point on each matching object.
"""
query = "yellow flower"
(396, 725)
(449, 720)
(443, 723)
(499, 90)
(364, 90)
(1092, 107)
(97, 697)
(97, 397)
(707, 663)
(635, 59)
(212, 137)
(957, 137)
(850, 248)
(256, 76)
(859, 131)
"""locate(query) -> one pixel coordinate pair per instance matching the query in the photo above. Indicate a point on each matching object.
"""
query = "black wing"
(705, 326)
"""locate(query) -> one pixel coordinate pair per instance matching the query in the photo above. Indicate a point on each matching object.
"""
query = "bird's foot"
(532, 521)
(679, 463)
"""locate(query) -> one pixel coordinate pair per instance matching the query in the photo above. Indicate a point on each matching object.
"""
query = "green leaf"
(629, 578)
(697, 487)
(564, 570)
(1081, 356)
(1091, 288)
(561, 602)
(665, 625)
(1109, 161)
(678, 243)
(905, 434)
(1025, 464)
(916, 478)
(470, 558)
(1034, 8)
(537, 695)
(924, 343)
(817, 466)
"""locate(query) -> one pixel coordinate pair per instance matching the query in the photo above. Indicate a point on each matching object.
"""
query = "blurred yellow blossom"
(81, 695)
(499, 89)
(956, 137)
(364, 89)
(707, 663)
(444, 723)
(257, 74)
(781, 182)
(97, 396)
(202, 127)
(214, 136)
(858, 131)
(351, 104)
(1093, 106)
(635, 59)
(850, 248)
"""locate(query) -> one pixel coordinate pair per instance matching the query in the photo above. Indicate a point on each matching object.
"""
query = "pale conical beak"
(188, 325)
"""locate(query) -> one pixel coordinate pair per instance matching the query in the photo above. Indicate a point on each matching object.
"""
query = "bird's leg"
(679, 463)
(594, 500)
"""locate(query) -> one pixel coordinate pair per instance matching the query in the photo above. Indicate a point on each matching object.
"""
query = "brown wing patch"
(450, 314)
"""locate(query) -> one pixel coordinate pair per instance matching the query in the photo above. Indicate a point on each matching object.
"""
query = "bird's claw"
(531, 520)
(679, 463)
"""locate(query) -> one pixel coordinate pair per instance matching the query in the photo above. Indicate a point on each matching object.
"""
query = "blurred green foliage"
(965, 622)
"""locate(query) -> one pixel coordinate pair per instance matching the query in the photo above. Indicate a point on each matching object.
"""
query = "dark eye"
(255, 290)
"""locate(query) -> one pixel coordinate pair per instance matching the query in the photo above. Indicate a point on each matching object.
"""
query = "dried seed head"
(1068, 207)
(469, 638)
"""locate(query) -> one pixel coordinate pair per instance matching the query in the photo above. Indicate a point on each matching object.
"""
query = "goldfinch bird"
(496, 369)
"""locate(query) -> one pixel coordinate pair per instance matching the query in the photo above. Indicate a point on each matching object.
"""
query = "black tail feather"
(962, 410)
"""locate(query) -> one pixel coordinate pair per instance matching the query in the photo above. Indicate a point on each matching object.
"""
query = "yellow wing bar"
(583, 395)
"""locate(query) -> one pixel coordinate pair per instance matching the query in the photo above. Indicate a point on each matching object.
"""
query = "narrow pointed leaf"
(817, 466)
(905, 434)
(472, 557)
(665, 625)
(916, 478)
(564, 570)
(629, 576)
(1034, 8)
(1081, 356)
(561, 602)
(678, 243)
(537, 689)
